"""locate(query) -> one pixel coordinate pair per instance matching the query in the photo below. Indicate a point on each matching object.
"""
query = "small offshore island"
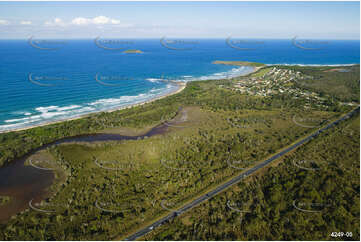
(118, 171)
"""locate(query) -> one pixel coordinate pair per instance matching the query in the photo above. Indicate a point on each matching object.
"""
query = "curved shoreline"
(180, 87)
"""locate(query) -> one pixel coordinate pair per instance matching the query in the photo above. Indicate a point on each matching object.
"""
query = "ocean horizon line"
(190, 38)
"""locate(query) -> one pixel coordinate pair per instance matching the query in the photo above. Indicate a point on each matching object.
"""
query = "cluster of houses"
(274, 81)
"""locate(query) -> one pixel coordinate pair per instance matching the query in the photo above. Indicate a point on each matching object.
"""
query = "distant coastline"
(256, 64)
(285, 64)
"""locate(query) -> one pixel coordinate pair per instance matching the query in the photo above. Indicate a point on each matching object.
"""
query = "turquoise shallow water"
(55, 80)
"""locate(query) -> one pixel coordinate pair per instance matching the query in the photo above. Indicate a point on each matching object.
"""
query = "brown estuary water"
(24, 182)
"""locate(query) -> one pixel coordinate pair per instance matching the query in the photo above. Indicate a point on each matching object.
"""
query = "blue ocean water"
(45, 81)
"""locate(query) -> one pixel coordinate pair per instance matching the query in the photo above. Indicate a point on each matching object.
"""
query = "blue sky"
(278, 20)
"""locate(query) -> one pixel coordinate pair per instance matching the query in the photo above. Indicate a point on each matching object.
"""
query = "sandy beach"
(180, 87)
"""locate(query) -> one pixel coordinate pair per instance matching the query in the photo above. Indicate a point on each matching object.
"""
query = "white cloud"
(4, 22)
(55, 22)
(25, 22)
(80, 21)
(99, 20)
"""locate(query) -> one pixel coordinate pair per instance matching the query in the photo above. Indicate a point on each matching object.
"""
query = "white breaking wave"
(234, 72)
(46, 109)
(68, 108)
(21, 119)
(43, 115)
(154, 79)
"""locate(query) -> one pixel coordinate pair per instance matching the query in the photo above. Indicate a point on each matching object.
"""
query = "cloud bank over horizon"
(198, 20)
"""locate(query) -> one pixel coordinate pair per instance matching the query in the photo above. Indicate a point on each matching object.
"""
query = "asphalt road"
(236, 179)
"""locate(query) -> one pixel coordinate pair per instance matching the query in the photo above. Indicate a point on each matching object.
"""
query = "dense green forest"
(310, 193)
(112, 188)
